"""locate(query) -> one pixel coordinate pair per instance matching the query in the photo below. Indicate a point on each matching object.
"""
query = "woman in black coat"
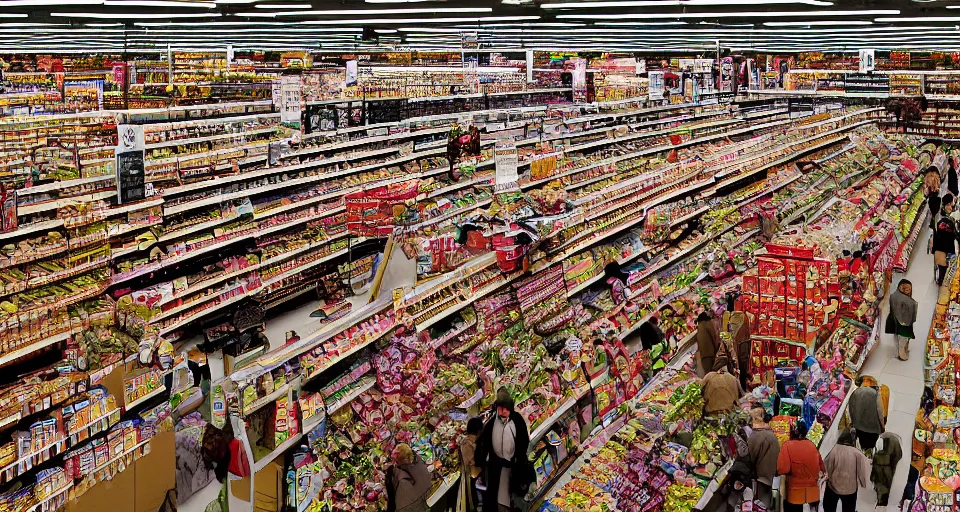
(952, 184)
(506, 422)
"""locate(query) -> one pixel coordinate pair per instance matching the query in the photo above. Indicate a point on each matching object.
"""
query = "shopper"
(763, 448)
(885, 461)
(933, 201)
(468, 448)
(903, 313)
(952, 184)
(721, 391)
(408, 481)
(944, 241)
(866, 413)
(920, 449)
(650, 333)
(708, 341)
(847, 469)
(800, 462)
(502, 453)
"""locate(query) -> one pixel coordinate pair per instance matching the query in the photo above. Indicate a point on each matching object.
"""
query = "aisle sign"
(579, 76)
(290, 100)
(506, 160)
(656, 85)
(867, 61)
(131, 183)
(351, 73)
(641, 66)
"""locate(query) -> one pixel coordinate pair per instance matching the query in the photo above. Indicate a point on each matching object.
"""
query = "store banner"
(867, 60)
(469, 40)
(290, 101)
(579, 74)
(506, 160)
(656, 86)
(131, 182)
(641, 66)
(351, 73)
(529, 66)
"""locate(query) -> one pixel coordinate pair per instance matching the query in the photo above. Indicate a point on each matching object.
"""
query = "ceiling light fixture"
(815, 23)
(385, 21)
(284, 6)
(157, 3)
(924, 19)
(370, 12)
(633, 24)
(134, 15)
(750, 14)
(27, 3)
(666, 3)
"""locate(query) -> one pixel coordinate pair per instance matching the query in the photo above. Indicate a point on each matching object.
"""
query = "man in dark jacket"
(502, 453)
(944, 240)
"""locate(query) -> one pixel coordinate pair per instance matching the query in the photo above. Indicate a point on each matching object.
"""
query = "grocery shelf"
(33, 347)
(207, 138)
(351, 396)
(126, 452)
(279, 450)
(59, 492)
(270, 398)
(156, 392)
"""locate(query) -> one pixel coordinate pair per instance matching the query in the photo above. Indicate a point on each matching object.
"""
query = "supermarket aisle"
(904, 378)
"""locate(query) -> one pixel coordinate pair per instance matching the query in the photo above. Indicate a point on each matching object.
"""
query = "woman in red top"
(801, 463)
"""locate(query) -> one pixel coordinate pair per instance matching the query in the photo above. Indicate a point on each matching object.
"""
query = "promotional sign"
(641, 66)
(867, 60)
(579, 75)
(657, 85)
(469, 40)
(506, 160)
(290, 101)
(131, 182)
(351, 73)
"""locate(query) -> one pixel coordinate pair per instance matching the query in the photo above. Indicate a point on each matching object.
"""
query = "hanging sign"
(656, 85)
(351, 73)
(506, 160)
(131, 182)
(290, 101)
(867, 60)
(579, 75)
(469, 40)
(641, 66)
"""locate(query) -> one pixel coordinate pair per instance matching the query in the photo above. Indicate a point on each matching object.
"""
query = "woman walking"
(847, 470)
(801, 463)
(903, 311)
(885, 461)
(944, 241)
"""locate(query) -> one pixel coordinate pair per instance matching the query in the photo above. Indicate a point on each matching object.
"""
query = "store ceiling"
(627, 25)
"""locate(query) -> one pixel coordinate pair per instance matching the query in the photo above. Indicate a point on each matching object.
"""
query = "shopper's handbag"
(890, 326)
(169, 502)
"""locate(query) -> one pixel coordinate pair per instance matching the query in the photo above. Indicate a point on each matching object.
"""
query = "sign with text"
(656, 85)
(131, 182)
(867, 60)
(506, 160)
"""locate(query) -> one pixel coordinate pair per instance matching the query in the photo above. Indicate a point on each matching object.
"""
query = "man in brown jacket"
(764, 448)
(721, 391)
(708, 341)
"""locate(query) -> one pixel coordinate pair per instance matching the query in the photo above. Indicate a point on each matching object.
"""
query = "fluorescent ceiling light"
(383, 21)
(386, 30)
(633, 24)
(812, 23)
(24, 3)
(156, 3)
(140, 15)
(923, 19)
(665, 3)
(750, 14)
(396, 1)
(284, 6)
(370, 12)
